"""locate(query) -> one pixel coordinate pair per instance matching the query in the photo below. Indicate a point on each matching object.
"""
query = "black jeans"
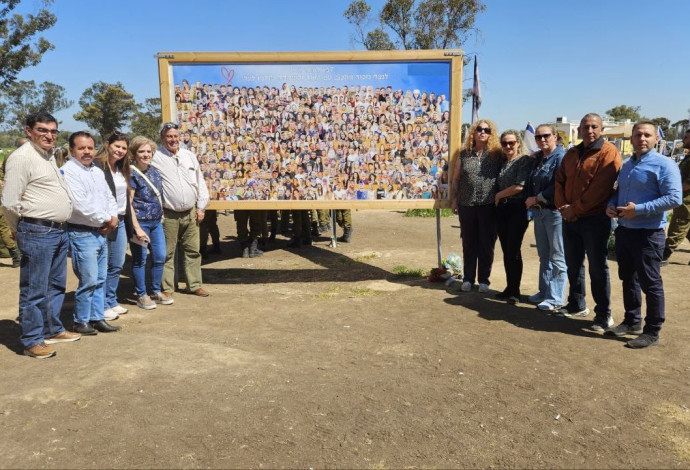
(639, 254)
(478, 233)
(588, 235)
(511, 224)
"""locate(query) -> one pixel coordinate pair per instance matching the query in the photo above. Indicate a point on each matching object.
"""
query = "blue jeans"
(90, 264)
(116, 258)
(588, 235)
(552, 269)
(42, 280)
(639, 253)
(154, 229)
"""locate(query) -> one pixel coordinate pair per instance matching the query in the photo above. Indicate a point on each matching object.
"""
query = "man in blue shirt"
(648, 185)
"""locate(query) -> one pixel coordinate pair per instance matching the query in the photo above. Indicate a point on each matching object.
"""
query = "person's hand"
(497, 200)
(114, 222)
(628, 211)
(567, 213)
(199, 216)
(454, 206)
(531, 201)
(611, 211)
(141, 235)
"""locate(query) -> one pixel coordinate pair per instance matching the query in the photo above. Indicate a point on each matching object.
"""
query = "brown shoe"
(201, 292)
(64, 337)
(40, 351)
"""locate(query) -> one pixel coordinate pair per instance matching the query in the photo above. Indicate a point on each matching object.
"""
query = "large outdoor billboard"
(318, 130)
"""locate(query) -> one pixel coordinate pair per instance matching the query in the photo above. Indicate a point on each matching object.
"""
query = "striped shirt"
(183, 182)
(34, 187)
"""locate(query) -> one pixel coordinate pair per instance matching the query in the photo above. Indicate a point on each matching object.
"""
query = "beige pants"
(181, 227)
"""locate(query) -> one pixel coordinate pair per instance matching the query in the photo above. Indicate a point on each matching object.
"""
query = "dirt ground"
(323, 358)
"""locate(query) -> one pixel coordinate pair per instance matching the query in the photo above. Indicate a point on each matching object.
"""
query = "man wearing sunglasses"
(36, 203)
(584, 184)
(185, 198)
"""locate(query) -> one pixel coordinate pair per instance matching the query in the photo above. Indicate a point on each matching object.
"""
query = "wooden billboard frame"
(455, 57)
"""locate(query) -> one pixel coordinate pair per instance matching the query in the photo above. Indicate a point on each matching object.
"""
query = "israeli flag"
(528, 139)
(660, 133)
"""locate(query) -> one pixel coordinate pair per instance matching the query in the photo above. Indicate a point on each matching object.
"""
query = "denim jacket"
(542, 179)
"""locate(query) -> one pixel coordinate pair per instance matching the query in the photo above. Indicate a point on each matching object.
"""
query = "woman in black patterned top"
(474, 188)
(511, 212)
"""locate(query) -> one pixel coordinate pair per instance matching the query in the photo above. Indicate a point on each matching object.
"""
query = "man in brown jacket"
(584, 184)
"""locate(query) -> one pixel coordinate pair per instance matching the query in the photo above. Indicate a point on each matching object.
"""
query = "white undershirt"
(120, 191)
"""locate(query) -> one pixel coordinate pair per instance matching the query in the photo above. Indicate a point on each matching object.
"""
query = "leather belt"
(87, 228)
(44, 222)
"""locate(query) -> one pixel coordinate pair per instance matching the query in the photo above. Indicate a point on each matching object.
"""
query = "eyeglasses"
(542, 136)
(510, 143)
(43, 131)
(485, 130)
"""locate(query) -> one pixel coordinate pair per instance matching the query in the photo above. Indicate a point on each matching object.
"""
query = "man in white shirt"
(93, 217)
(36, 204)
(185, 199)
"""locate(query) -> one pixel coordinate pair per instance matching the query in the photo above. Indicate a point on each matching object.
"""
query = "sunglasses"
(170, 125)
(485, 130)
(542, 136)
(509, 143)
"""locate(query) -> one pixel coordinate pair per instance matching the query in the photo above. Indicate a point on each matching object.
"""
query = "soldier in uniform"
(680, 222)
(343, 217)
(5, 232)
(248, 237)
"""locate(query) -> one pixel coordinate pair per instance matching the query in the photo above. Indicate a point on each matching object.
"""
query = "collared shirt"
(34, 187)
(183, 182)
(587, 176)
(653, 183)
(542, 179)
(93, 201)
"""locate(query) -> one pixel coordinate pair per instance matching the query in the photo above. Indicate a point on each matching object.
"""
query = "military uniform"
(343, 217)
(5, 234)
(209, 226)
(249, 238)
(679, 227)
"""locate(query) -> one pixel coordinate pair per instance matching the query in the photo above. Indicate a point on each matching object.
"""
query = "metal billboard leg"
(438, 236)
(334, 233)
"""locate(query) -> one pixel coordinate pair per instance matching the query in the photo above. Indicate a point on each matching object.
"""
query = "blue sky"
(538, 59)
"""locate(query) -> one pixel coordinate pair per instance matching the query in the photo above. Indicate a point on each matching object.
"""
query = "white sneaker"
(548, 307)
(466, 287)
(119, 309)
(109, 315)
(483, 288)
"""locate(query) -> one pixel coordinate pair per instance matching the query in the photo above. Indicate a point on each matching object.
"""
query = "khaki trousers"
(181, 227)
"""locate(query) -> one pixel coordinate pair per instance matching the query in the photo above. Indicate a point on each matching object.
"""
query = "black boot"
(263, 241)
(295, 243)
(667, 254)
(315, 229)
(216, 248)
(104, 327)
(254, 251)
(16, 257)
(347, 235)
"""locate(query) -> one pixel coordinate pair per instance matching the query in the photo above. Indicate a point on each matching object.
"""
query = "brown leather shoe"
(40, 351)
(64, 337)
(201, 292)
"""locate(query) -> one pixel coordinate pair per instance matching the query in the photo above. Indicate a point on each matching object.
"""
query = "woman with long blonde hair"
(474, 189)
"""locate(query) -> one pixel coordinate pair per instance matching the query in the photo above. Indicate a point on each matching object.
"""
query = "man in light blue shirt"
(649, 184)
(94, 215)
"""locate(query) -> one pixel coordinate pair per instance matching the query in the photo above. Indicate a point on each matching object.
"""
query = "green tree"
(20, 45)
(106, 107)
(665, 123)
(424, 24)
(24, 97)
(147, 118)
(623, 112)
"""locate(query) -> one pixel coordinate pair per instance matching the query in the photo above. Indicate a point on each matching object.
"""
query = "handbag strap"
(148, 181)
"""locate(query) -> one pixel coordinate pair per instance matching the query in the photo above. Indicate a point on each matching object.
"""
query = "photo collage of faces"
(308, 143)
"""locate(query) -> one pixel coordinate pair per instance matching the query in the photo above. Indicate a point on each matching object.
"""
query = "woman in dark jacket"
(115, 166)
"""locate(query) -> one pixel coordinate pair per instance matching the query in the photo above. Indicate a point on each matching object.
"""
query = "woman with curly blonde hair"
(474, 190)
